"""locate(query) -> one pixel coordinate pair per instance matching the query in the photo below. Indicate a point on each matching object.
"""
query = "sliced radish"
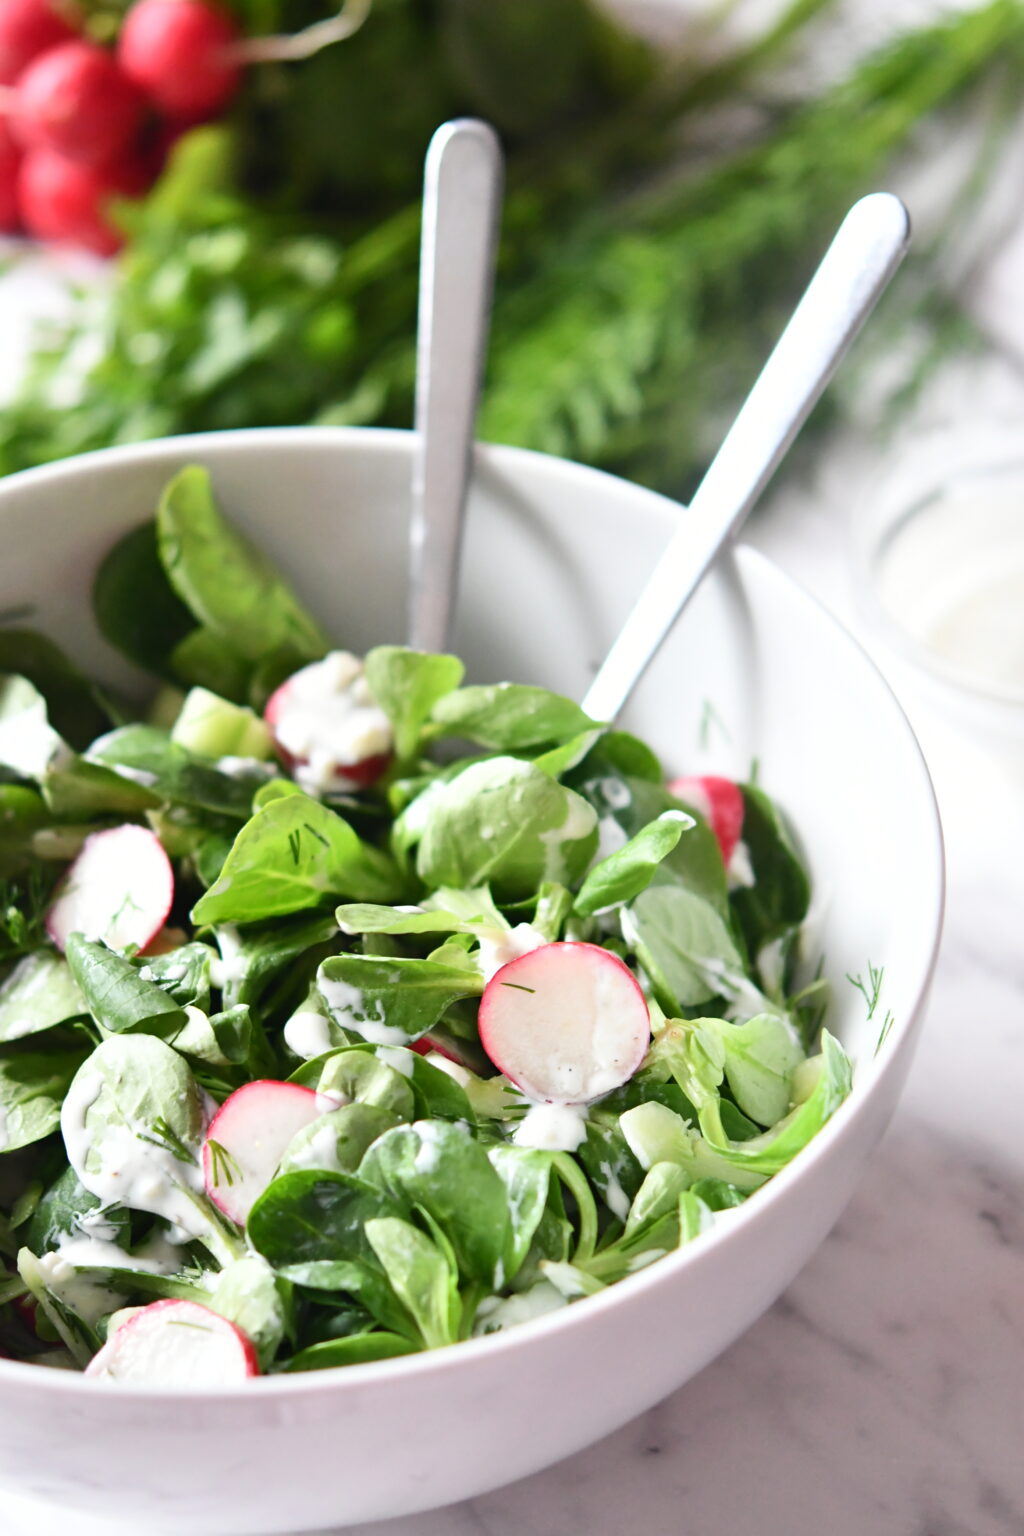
(119, 889)
(720, 802)
(176, 1344)
(327, 728)
(566, 1023)
(247, 1138)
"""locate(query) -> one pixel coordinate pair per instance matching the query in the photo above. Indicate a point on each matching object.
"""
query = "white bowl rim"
(694, 1254)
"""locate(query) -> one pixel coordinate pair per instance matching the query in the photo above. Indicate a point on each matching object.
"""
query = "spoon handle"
(461, 197)
(854, 271)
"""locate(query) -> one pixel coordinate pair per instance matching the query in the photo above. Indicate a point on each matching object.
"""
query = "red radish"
(119, 889)
(28, 28)
(27, 1308)
(180, 53)
(426, 1045)
(327, 729)
(566, 1023)
(247, 1138)
(10, 161)
(176, 1344)
(60, 199)
(74, 99)
(720, 802)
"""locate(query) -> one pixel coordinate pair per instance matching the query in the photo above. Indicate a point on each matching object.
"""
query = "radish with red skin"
(174, 1343)
(75, 100)
(181, 53)
(119, 889)
(327, 730)
(27, 29)
(720, 802)
(62, 200)
(10, 165)
(27, 1309)
(566, 1023)
(247, 1138)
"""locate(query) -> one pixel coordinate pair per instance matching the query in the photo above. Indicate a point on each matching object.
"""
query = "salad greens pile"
(340, 943)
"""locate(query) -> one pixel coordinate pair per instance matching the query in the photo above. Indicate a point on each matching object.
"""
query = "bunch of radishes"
(81, 123)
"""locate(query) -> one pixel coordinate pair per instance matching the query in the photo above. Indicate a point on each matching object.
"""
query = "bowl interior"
(754, 679)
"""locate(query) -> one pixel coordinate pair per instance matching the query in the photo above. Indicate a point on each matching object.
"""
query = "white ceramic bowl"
(555, 557)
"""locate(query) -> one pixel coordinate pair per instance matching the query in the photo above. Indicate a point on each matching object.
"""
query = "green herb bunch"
(271, 276)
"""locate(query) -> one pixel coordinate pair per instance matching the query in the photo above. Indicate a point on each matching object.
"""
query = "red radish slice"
(75, 100)
(566, 1022)
(327, 729)
(180, 53)
(720, 802)
(247, 1139)
(119, 889)
(176, 1344)
(28, 28)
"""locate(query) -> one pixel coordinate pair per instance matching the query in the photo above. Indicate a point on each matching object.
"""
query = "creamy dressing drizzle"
(349, 1004)
(397, 1058)
(328, 721)
(308, 1034)
(552, 1127)
(499, 946)
(580, 821)
(131, 1171)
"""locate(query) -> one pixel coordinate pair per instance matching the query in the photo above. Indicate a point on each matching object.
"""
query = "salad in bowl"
(350, 1009)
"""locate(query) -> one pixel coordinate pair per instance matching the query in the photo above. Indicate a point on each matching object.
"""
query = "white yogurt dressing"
(615, 1197)
(428, 1155)
(133, 1172)
(308, 1034)
(552, 1127)
(231, 967)
(499, 946)
(397, 1058)
(245, 767)
(84, 1294)
(320, 1150)
(349, 1004)
(328, 721)
(29, 744)
(611, 836)
(580, 821)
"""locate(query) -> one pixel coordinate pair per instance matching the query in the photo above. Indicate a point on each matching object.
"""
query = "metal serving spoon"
(461, 201)
(866, 251)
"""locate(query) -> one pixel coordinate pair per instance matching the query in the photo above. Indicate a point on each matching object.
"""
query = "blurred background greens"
(663, 211)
